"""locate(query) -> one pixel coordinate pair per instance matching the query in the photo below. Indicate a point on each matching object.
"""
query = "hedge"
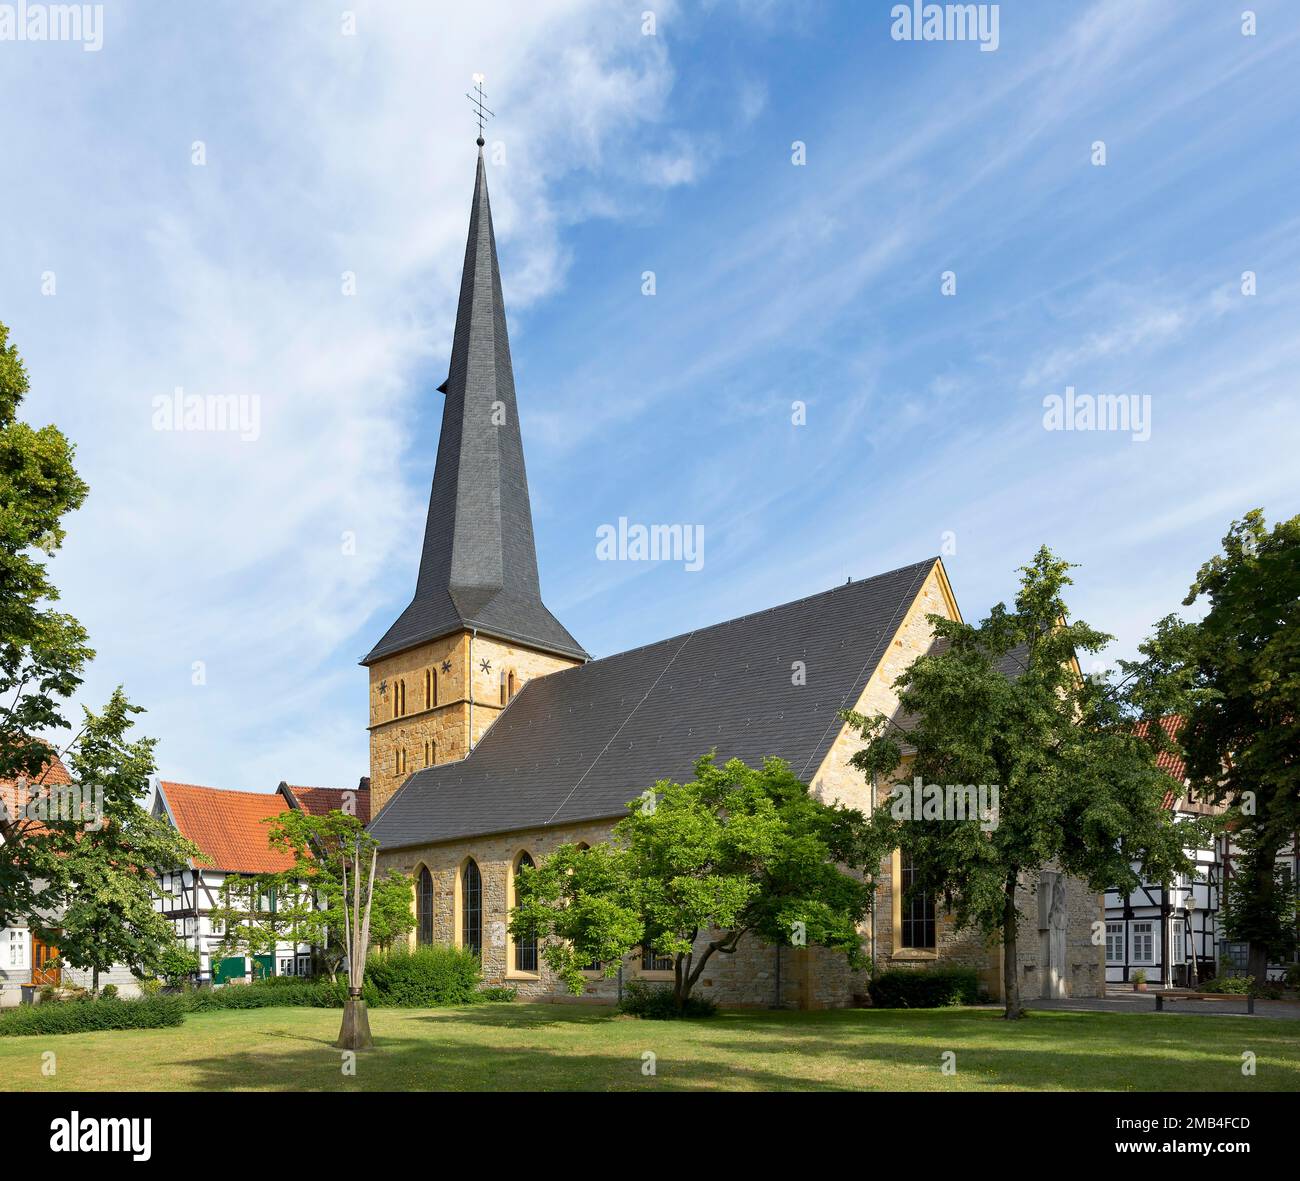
(656, 1002)
(265, 994)
(924, 988)
(48, 1017)
(425, 978)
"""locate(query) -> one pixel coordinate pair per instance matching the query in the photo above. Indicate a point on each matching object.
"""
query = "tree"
(98, 864)
(321, 846)
(736, 852)
(1077, 782)
(42, 652)
(1235, 677)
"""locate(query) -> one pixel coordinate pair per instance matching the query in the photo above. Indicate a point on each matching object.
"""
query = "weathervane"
(479, 109)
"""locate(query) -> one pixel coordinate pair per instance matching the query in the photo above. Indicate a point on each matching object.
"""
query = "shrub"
(499, 993)
(150, 986)
(655, 1002)
(108, 992)
(1229, 985)
(1292, 977)
(425, 978)
(282, 992)
(147, 1013)
(177, 965)
(924, 988)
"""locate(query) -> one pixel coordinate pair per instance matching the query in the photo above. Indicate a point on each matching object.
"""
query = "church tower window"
(424, 906)
(471, 917)
(430, 688)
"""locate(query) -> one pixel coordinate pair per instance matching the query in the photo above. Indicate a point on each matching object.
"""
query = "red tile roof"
(228, 826)
(1170, 762)
(317, 801)
(54, 773)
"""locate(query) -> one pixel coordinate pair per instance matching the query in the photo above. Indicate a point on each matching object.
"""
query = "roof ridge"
(834, 590)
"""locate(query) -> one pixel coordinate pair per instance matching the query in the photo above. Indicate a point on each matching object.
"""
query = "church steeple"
(478, 568)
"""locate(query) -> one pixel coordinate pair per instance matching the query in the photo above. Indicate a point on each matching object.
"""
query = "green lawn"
(561, 1047)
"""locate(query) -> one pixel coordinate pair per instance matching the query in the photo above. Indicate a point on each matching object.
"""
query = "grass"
(561, 1047)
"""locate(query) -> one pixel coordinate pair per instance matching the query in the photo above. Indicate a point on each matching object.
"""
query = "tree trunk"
(94, 981)
(1010, 967)
(1263, 887)
(354, 1034)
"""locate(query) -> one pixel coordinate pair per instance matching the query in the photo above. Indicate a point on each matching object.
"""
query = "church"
(495, 738)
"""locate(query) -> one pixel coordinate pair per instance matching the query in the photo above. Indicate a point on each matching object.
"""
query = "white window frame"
(18, 950)
(1149, 937)
(1115, 938)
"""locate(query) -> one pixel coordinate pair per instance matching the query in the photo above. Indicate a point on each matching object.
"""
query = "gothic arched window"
(424, 906)
(471, 902)
(525, 949)
(430, 688)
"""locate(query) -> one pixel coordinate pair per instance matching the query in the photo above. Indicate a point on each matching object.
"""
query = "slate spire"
(478, 568)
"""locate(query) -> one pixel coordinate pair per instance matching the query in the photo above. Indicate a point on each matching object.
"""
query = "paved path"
(1128, 1001)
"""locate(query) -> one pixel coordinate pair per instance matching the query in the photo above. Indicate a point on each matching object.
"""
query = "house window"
(424, 906)
(918, 908)
(304, 965)
(1114, 943)
(15, 950)
(217, 926)
(1144, 943)
(266, 900)
(471, 916)
(287, 965)
(652, 962)
(525, 949)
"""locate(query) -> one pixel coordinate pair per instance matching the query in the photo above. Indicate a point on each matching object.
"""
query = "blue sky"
(621, 153)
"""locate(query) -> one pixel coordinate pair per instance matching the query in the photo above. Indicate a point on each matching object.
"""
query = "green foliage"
(274, 992)
(84, 1016)
(150, 986)
(309, 897)
(696, 867)
(498, 993)
(658, 1002)
(924, 988)
(1263, 917)
(177, 965)
(1229, 985)
(1292, 977)
(1078, 786)
(428, 977)
(1139, 976)
(105, 874)
(108, 992)
(1235, 677)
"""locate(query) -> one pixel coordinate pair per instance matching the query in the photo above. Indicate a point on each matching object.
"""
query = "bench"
(1175, 995)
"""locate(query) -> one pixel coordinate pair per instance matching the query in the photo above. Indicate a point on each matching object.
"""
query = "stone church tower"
(477, 628)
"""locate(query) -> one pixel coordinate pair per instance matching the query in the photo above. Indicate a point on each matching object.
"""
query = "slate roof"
(578, 744)
(228, 826)
(319, 801)
(478, 567)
